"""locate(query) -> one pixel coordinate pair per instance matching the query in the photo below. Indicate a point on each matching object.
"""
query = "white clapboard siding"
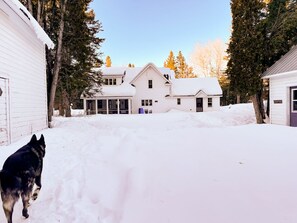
(3, 112)
(156, 94)
(22, 61)
(280, 90)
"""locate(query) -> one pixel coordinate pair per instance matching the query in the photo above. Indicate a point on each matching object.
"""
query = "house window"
(178, 101)
(147, 102)
(110, 81)
(150, 83)
(294, 100)
(209, 102)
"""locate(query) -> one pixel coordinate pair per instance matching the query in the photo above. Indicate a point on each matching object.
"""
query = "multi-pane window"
(150, 83)
(147, 102)
(110, 81)
(209, 102)
(178, 101)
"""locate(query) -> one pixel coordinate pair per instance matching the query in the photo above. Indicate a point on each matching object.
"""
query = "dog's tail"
(7, 180)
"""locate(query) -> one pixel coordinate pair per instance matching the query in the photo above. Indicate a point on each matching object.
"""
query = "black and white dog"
(20, 172)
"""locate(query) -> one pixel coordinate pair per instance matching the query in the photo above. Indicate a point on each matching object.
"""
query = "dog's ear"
(33, 139)
(41, 140)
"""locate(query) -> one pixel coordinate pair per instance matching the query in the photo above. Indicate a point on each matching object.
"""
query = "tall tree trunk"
(39, 12)
(66, 103)
(58, 63)
(238, 99)
(30, 7)
(258, 108)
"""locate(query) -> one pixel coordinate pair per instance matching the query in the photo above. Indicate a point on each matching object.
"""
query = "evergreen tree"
(246, 51)
(170, 61)
(80, 54)
(182, 70)
(73, 29)
(280, 29)
(108, 61)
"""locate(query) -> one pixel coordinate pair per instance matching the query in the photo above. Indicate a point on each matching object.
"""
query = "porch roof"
(123, 90)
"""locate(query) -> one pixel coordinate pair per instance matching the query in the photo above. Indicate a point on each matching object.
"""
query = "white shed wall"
(22, 62)
(280, 90)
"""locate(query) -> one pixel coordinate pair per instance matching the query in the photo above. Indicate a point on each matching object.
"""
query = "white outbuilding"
(283, 89)
(23, 88)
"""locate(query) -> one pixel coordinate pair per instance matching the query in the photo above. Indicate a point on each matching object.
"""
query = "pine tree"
(170, 61)
(73, 29)
(80, 54)
(182, 70)
(108, 61)
(246, 51)
(280, 29)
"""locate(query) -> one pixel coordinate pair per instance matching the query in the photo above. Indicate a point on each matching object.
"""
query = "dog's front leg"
(36, 191)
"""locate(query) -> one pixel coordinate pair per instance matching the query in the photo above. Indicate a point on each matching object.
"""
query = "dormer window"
(110, 81)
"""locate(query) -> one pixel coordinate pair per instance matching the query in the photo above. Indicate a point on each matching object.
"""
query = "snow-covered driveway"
(177, 167)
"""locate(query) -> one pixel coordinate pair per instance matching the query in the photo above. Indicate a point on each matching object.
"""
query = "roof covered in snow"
(180, 87)
(131, 72)
(192, 86)
(286, 63)
(40, 33)
(123, 90)
(162, 71)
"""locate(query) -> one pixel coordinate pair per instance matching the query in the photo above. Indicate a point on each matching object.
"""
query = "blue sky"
(143, 31)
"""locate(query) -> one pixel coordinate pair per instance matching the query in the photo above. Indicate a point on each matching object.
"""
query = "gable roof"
(160, 71)
(285, 64)
(20, 10)
(192, 86)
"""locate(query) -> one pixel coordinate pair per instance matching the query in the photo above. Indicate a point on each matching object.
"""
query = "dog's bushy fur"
(20, 172)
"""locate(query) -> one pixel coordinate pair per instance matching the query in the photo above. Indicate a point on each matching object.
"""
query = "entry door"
(3, 112)
(293, 113)
(199, 104)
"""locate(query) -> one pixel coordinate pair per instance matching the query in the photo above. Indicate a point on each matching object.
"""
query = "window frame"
(146, 102)
(110, 81)
(293, 100)
(209, 102)
(150, 84)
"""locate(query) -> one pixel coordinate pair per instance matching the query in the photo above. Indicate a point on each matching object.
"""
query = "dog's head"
(38, 144)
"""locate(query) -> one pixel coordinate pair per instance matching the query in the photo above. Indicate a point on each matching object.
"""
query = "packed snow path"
(215, 167)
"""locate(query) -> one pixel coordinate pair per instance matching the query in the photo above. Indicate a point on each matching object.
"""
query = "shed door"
(3, 112)
(293, 115)
(199, 104)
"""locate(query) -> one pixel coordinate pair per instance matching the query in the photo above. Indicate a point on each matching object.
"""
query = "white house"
(283, 89)
(23, 94)
(151, 90)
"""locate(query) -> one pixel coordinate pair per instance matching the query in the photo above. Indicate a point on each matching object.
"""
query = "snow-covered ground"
(215, 167)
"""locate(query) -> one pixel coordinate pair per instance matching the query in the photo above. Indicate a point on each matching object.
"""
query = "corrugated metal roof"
(285, 64)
